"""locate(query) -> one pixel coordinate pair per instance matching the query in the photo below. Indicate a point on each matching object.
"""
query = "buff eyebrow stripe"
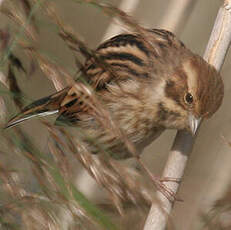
(123, 56)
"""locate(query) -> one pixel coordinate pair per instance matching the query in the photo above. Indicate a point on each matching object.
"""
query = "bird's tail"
(42, 107)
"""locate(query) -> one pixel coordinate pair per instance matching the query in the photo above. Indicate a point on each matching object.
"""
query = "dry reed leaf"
(4, 38)
(16, 62)
(122, 184)
(20, 19)
(59, 77)
(27, 8)
(3, 111)
(13, 86)
(37, 218)
(219, 216)
(116, 179)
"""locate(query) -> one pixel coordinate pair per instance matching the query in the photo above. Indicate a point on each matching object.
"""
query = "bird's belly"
(149, 139)
(120, 150)
(109, 142)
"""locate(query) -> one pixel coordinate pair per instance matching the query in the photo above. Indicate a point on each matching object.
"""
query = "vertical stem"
(128, 6)
(216, 50)
(177, 14)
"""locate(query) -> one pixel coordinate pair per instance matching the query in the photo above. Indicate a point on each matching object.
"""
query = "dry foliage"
(53, 171)
(219, 217)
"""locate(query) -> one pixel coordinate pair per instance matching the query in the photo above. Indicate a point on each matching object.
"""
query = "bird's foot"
(160, 183)
(170, 179)
(161, 187)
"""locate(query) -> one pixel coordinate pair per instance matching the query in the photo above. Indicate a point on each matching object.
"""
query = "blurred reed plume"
(219, 216)
(36, 203)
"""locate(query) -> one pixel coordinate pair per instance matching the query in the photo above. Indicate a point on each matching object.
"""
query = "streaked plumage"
(146, 85)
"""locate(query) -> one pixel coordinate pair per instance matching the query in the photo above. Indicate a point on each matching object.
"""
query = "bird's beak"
(194, 123)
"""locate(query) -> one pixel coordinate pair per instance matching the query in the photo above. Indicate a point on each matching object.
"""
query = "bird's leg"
(159, 182)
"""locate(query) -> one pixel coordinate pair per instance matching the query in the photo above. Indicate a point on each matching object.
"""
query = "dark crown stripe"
(123, 56)
(126, 68)
(124, 40)
(69, 104)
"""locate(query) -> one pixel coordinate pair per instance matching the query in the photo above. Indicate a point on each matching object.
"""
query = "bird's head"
(193, 92)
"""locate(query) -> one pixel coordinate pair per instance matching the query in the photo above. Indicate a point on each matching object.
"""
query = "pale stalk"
(215, 53)
(128, 6)
(177, 15)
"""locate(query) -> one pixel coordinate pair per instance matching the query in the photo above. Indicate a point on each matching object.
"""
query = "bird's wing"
(42, 107)
(118, 59)
(77, 102)
(128, 56)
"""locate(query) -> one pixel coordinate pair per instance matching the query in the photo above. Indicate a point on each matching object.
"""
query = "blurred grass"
(51, 170)
(19, 34)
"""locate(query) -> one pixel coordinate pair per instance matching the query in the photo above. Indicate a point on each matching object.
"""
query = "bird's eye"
(188, 98)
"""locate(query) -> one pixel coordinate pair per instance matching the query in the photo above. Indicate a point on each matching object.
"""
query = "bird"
(146, 83)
